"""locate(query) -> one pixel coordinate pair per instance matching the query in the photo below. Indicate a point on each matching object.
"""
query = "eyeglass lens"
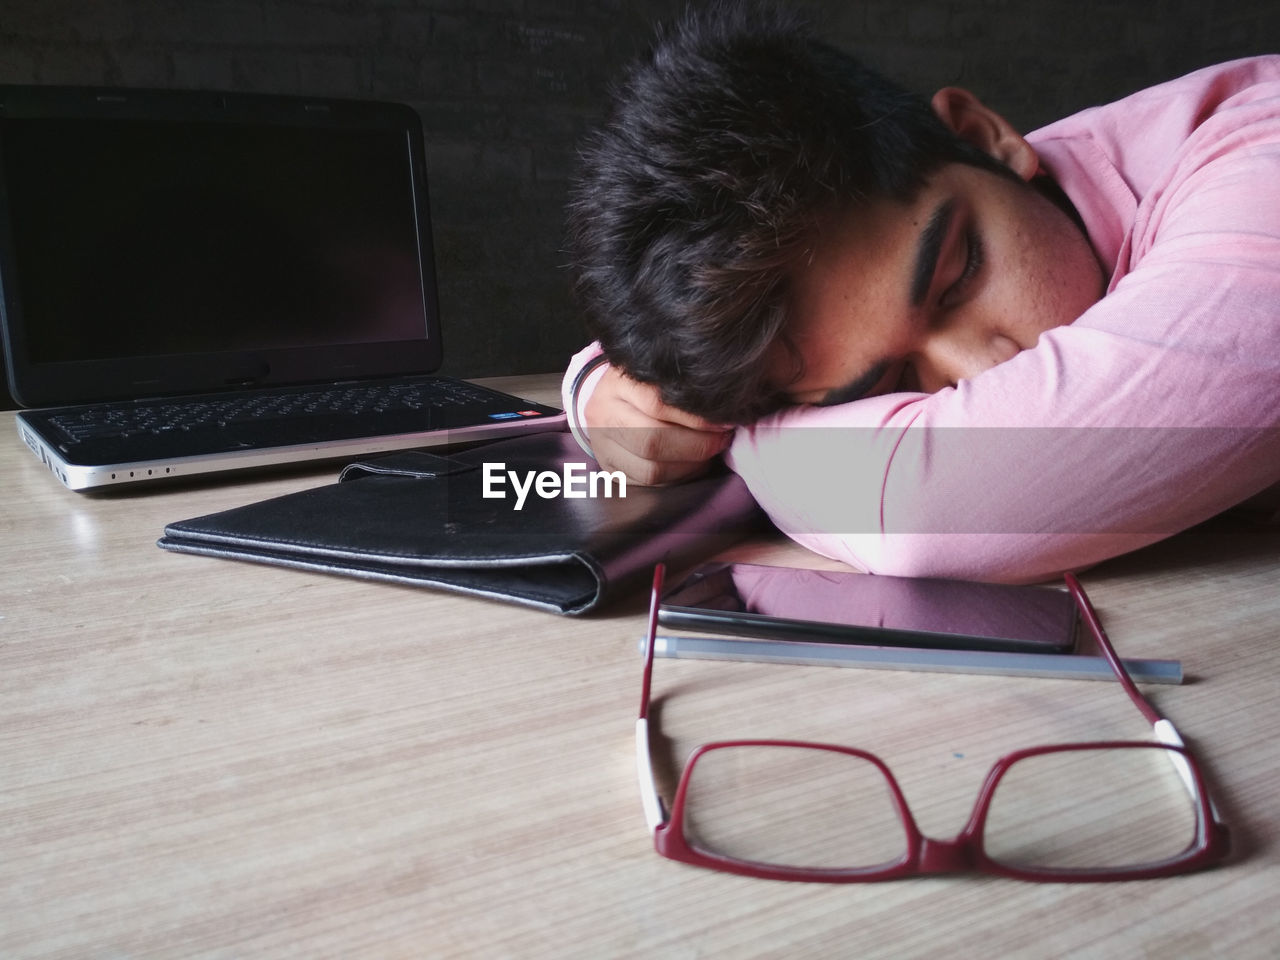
(1048, 810)
(805, 807)
(792, 806)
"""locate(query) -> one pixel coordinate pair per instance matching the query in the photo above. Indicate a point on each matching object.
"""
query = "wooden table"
(200, 757)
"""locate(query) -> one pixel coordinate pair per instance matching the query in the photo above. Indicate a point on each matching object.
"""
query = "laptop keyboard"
(391, 407)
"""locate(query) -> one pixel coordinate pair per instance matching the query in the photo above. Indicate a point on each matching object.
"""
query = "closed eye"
(974, 257)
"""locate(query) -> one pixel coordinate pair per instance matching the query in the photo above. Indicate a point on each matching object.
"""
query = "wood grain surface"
(201, 757)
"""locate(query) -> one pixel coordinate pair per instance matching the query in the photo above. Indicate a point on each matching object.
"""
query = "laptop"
(194, 282)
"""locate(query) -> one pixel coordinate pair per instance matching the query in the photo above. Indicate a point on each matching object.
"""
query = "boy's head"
(736, 154)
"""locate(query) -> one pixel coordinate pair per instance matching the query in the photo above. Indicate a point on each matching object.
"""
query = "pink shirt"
(1157, 408)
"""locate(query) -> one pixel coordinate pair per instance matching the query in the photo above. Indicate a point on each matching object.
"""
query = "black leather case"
(420, 518)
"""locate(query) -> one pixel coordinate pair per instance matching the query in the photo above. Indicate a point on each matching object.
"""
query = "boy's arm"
(1090, 445)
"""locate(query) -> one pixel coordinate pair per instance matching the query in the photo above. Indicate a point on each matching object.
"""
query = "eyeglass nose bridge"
(946, 856)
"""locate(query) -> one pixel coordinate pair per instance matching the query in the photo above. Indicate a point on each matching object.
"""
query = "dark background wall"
(506, 88)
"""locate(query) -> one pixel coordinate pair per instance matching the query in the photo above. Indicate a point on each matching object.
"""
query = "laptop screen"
(180, 242)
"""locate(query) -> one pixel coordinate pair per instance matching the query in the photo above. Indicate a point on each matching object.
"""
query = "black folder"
(423, 519)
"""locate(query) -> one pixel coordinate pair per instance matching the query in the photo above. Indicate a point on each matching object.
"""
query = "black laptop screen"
(162, 242)
(135, 237)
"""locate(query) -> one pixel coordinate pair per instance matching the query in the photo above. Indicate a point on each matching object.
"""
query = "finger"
(646, 398)
(612, 456)
(612, 412)
(665, 443)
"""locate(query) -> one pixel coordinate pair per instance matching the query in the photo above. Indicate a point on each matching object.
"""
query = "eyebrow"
(928, 249)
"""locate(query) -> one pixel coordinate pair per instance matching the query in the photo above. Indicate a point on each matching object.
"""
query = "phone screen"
(781, 603)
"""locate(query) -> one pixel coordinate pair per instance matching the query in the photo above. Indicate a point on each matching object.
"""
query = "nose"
(948, 356)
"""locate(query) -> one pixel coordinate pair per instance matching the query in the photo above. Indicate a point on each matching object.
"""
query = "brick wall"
(507, 87)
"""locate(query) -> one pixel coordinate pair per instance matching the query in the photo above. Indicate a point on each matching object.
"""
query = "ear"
(974, 121)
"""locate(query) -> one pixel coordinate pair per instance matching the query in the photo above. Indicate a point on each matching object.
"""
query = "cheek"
(1053, 279)
(830, 353)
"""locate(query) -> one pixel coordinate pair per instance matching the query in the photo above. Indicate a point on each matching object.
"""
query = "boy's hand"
(632, 430)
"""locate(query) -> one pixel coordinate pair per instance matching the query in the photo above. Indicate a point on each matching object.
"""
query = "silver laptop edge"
(80, 477)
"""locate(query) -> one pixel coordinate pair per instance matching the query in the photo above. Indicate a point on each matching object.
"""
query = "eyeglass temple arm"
(1090, 617)
(1164, 730)
(655, 814)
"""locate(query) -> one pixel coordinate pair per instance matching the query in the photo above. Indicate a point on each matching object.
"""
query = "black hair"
(727, 147)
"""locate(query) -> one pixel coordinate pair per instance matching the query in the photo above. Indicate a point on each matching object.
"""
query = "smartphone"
(786, 603)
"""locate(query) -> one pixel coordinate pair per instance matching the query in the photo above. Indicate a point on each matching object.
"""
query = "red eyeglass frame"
(926, 855)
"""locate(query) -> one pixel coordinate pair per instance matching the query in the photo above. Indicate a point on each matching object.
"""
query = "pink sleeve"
(1156, 409)
(574, 394)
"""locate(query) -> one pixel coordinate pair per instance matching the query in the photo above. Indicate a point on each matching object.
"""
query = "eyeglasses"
(795, 810)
